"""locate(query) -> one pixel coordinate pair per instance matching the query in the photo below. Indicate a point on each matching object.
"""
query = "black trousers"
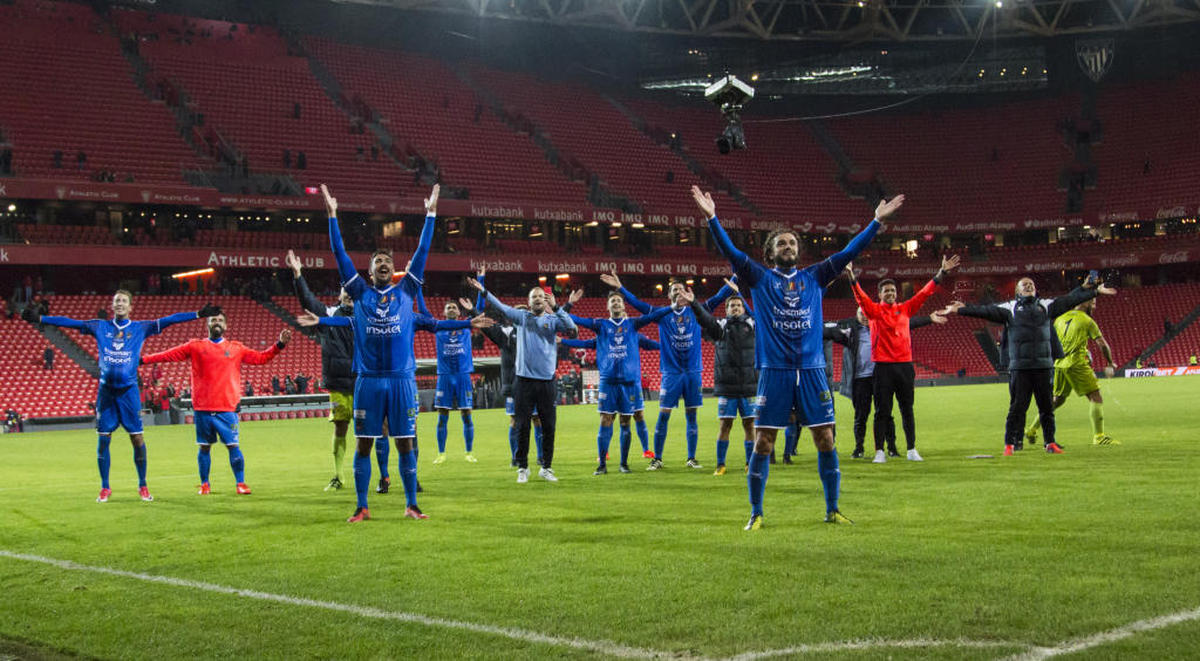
(862, 392)
(527, 395)
(894, 380)
(1022, 384)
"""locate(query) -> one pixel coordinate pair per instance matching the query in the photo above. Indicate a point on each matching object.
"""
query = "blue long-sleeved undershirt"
(416, 268)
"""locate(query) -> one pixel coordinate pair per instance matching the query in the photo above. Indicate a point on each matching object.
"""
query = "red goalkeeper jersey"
(216, 370)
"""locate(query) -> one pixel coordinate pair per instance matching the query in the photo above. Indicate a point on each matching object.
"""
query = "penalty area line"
(605, 647)
(1110, 636)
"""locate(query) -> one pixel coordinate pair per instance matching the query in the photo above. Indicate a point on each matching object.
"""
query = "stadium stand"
(248, 86)
(784, 152)
(1133, 319)
(78, 96)
(586, 128)
(1010, 171)
(1147, 142)
(424, 103)
(30, 389)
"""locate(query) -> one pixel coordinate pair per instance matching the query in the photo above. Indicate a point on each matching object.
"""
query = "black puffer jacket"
(735, 375)
(337, 342)
(1029, 341)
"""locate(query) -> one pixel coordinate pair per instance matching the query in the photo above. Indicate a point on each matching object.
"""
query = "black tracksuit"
(337, 342)
(1029, 348)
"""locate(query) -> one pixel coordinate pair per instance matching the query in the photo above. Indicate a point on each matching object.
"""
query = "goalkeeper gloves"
(209, 310)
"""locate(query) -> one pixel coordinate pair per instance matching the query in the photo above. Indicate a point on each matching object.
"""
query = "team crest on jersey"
(227, 353)
(790, 292)
(618, 338)
(119, 340)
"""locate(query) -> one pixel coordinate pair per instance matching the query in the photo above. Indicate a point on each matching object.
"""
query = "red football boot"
(360, 514)
(243, 489)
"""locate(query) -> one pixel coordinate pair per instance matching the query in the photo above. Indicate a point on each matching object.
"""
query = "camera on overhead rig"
(730, 95)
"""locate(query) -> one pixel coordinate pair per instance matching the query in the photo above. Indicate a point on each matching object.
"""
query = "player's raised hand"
(209, 310)
(29, 313)
(551, 302)
(732, 284)
(849, 271)
(285, 336)
(431, 201)
(482, 271)
(1106, 290)
(482, 321)
(465, 304)
(330, 202)
(575, 296)
(476, 284)
(308, 319)
(688, 295)
(950, 263)
(292, 262)
(611, 279)
(705, 202)
(886, 208)
(938, 317)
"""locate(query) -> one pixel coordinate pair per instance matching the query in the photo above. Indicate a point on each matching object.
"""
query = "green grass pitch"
(951, 558)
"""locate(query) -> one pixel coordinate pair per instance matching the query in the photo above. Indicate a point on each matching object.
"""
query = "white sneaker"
(547, 474)
(880, 457)
(522, 475)
(913, 456)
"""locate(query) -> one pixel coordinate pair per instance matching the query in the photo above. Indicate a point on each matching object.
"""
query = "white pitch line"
(1110, 636)
(873, 643)
(606, 647)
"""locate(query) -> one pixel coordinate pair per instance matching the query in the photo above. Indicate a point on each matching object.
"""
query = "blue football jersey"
(454, 352)
(119, 343)
(680, 335)
(788, 319)
(383, 327)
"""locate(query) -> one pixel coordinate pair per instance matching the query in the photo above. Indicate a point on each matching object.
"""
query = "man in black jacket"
(1029, 350)
(735, 379)
(337, 364)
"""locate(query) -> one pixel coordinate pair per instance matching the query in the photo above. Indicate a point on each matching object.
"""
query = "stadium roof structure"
(830, 20)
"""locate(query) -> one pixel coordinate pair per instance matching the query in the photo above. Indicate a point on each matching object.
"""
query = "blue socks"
(722, 450)
(603, 441)
(469, 431)
(537, 438)
(693, 432)
(749, 451)
(238, 463)
(362, 476)
(443, 420)
(512, 442)
(660, 432)
(205, 461)
(103, 458)
(408, 476)
(643, 435)
(139, 461)
(831, 478)
(756, 481)
(626, 439)
(791, 438)
(382, 451)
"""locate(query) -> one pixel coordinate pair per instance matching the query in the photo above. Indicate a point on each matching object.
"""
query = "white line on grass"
(611, 648)
(605, 647)
(871, 644)
(1110, 636)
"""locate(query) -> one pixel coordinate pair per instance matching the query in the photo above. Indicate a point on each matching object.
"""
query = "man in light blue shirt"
(537, 359)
